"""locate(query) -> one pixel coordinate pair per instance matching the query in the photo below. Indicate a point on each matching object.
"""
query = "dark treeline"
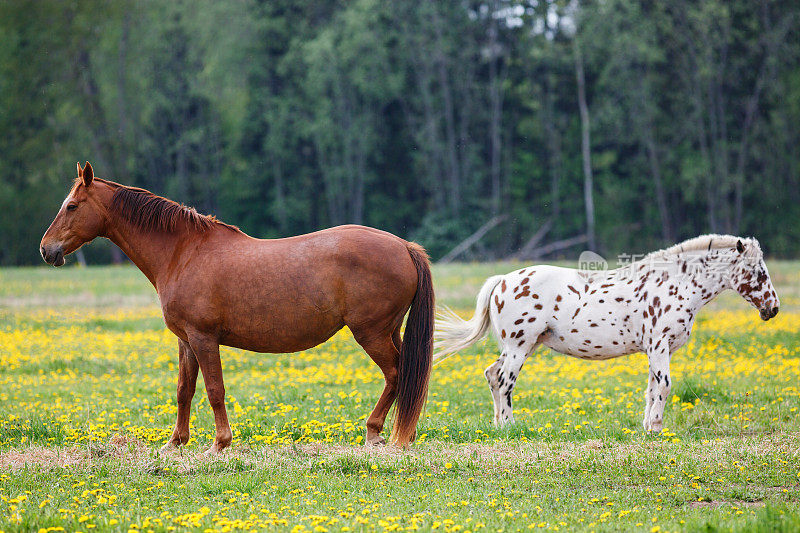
(632, 123)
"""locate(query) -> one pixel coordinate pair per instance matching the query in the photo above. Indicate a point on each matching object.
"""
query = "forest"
(552, 126)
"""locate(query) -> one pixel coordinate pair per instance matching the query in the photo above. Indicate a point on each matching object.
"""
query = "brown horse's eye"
(72, 207)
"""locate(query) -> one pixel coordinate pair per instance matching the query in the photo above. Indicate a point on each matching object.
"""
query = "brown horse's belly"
(281, 337)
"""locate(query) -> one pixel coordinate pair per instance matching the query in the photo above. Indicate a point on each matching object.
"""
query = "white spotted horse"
(647, 306)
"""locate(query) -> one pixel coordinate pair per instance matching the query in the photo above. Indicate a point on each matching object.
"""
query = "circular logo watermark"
(590, 261)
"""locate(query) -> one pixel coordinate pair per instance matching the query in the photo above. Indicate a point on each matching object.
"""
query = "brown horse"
(219, 286)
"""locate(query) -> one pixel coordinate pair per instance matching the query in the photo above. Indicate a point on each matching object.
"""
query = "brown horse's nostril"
(53, 255)
(58, 258)
(774, 311)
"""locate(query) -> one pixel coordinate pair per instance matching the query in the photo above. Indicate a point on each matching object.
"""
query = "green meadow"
(87, 396)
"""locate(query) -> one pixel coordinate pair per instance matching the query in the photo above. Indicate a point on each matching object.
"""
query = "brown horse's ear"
(80, 170)
(87, 174)
(739, 246)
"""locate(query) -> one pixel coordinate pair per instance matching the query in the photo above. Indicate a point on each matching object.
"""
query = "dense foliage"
(422, 118)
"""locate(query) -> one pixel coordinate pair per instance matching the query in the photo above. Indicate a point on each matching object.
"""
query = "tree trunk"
(694, 84)
(449, 118)
(585, 148)
(432, 144)
(103, 150)
(554, 160)
(335, 216)
(661, 196)
(553, 150)
(772, 42)
(711, 197)
(122, 95)
(357, 194)
(280, 200)
(496, 104)
(120, 172)
(652, 157)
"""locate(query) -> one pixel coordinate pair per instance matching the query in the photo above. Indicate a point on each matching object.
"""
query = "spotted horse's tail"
(454, 333)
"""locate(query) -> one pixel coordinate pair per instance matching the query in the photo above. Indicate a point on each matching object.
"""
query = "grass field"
(87, 381)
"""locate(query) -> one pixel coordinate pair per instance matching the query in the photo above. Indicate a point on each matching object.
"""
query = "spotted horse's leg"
(658, 386)
(492, 374)
(648, 400)
(507, 378)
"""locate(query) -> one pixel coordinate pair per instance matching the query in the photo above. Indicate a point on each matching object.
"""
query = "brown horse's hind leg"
(207, 352)
(187, 381)
(384, 350)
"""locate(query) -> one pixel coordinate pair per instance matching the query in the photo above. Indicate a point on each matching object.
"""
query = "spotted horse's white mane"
(709, 242)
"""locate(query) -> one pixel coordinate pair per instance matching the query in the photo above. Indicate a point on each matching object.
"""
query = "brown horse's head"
(750, 278)
(81, 218)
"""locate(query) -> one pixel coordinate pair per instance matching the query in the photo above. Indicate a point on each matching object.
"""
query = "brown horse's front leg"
(187, 381)
(207, 352)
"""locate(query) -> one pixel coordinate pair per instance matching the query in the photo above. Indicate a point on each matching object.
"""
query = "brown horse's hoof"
(168, 447)
(214, 451)
(377, 440)
(211, 452)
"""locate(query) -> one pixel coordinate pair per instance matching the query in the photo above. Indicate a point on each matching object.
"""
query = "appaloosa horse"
(648, 306)
(218, 286)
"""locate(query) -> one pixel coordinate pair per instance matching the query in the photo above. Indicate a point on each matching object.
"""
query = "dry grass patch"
(74, 300)
(130, 452)
(43, 458)
(720, 503)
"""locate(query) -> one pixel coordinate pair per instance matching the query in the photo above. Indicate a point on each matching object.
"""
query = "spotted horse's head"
(750, 278)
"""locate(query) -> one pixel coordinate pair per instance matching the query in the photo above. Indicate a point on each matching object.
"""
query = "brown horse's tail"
(416, 353)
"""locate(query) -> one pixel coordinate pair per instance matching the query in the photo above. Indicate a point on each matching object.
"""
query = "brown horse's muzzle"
(53, 254)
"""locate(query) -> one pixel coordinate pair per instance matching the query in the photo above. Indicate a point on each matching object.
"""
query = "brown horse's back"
(286, 295)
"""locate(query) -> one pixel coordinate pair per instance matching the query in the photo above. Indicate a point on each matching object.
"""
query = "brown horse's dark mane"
(151, 212)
